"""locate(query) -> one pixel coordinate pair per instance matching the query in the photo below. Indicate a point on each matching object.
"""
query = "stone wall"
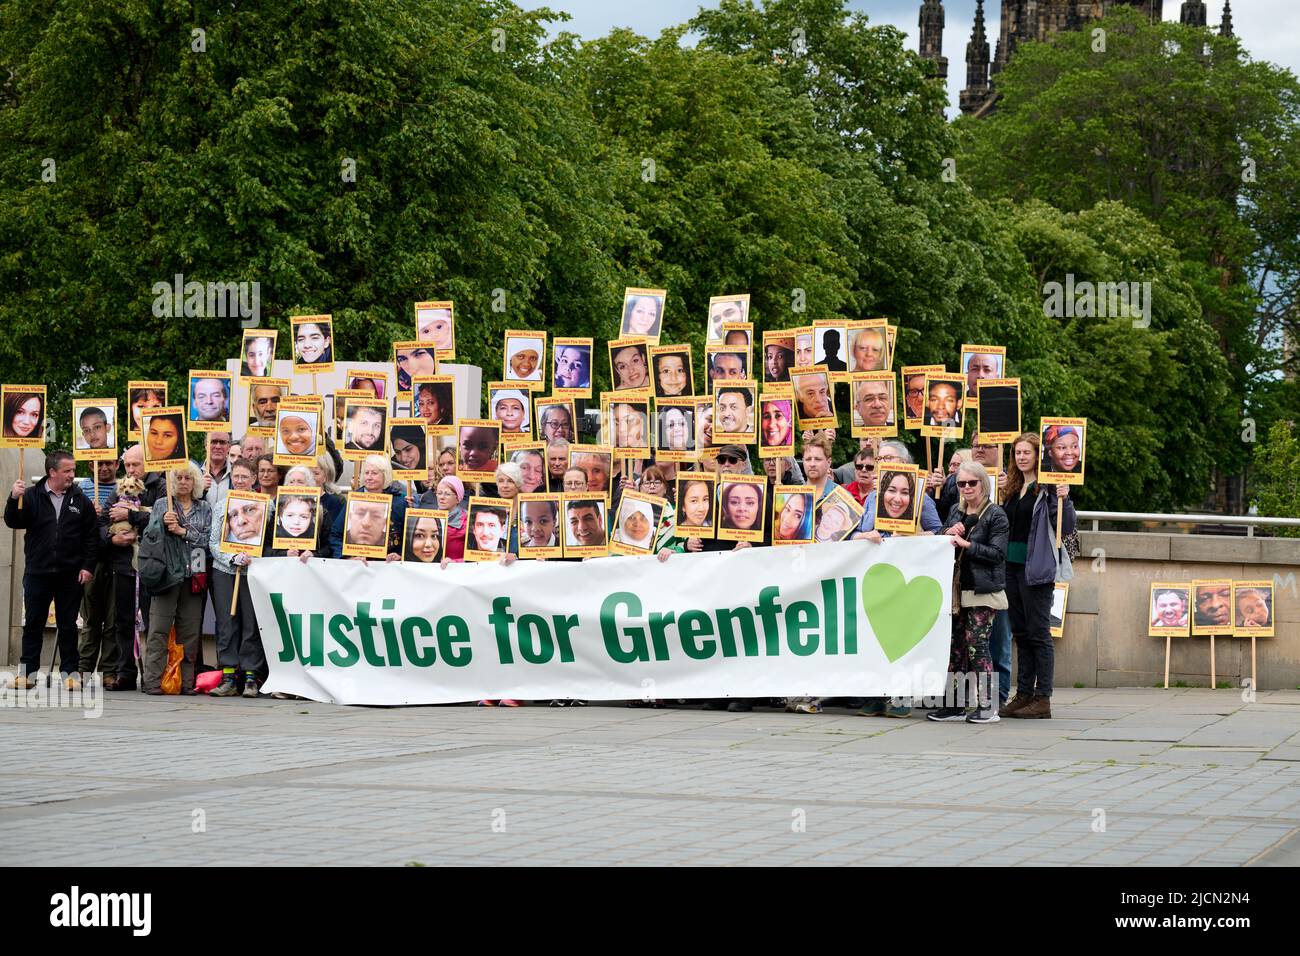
(1105, 641)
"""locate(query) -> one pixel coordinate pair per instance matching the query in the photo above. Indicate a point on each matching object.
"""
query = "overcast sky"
(1269, 29)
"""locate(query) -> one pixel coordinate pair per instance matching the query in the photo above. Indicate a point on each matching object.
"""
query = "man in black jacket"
(127, 594)
(60, 549)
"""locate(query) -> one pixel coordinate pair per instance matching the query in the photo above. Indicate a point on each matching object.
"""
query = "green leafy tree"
(1184, 127)
(1276, 476)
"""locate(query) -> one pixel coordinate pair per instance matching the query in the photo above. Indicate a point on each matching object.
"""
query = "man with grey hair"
(557, 462)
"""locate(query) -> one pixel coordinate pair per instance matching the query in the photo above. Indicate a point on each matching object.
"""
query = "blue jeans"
(1000, 651)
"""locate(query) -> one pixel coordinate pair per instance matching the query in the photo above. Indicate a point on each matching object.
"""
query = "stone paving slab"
(1185, 777)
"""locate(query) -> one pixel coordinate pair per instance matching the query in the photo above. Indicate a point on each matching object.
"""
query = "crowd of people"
(139, 553)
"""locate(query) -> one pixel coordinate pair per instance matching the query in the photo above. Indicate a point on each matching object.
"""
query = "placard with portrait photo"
(1252, 609)
(1056, 616)
(726, 364)
(556, 419)
(297, 433)
(674, 428)
(424, 536)
(365, 428)
(584, 523)
(670, 371)
(596, 462)
(778, 355)
(831, 347)
(704, 424)
(803, 347)
(94, 427)
(695, 495)
(511, 407)
(243, 522)
(435, 324)
(836, 516)
(164, 438)
(776, 421)
(257, 353)
(374, 384)
(891, 333)
(998, 417)
(412, 360)
(141, 395)
(636, 524)
(366, 520)
(944, 405)
(734, 412)
(738, 335)
(981, 362)
(409, 444)
(1211, 607)
(724, 309)
(478, 449)
(313, 344)
(339, 404)
(297, 518)
(792, 514)
(1169, 611)
(524, 364)
(433, 400)
(874, 411)
(531, 459)
(571, 367)
(209, 400)
(627, 425)
(912, 380)
(264, 398)
(629, 366)
(899, 489)
(1064, 444)
(643, 314)
(742, 507)
(540, 532)
(868, 345)
(814, 397)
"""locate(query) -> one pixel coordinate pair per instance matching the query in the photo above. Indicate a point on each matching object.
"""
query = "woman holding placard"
(183, 514)
(1031, 575)
(237, 633)
(978, 530)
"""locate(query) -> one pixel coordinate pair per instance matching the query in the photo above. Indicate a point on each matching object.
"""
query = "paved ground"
(1124, 776)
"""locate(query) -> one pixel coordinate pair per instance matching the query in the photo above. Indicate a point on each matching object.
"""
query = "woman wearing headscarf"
(655, 482)
(449, 496)
(1062, 449)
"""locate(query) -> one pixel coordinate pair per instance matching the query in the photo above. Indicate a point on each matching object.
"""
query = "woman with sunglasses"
(978, 530)
(864, 468)
(1031, 575)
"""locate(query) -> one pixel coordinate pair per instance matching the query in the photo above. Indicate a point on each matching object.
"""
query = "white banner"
(847, 619)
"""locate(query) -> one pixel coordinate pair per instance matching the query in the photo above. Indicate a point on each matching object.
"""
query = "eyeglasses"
(219, 441)
(973, 483)
(728, 460)
(866, 466)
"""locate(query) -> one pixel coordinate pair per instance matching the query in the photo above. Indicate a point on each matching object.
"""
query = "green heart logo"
(901, 612)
